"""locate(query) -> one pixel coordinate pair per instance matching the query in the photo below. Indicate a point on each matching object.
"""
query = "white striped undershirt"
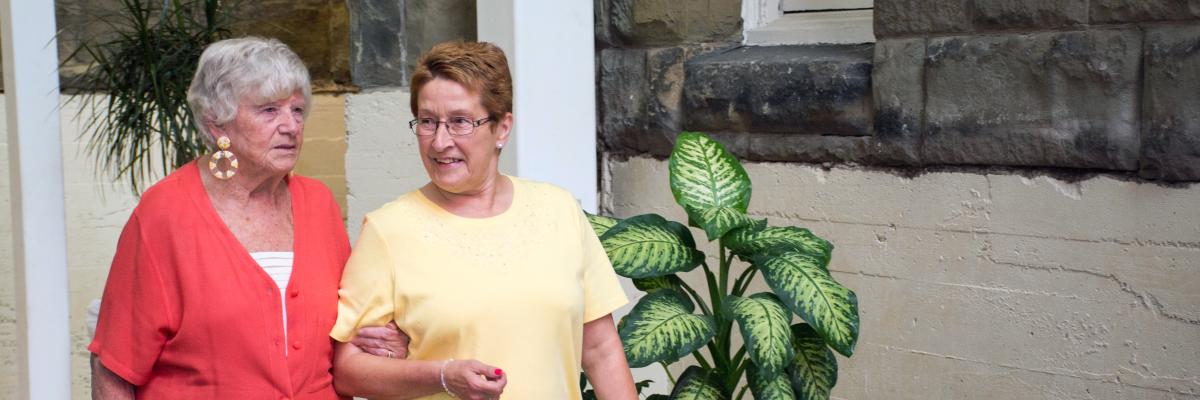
(278, 265)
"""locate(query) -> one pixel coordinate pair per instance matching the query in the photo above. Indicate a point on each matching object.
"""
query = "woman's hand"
(473, 380)
(383, 341)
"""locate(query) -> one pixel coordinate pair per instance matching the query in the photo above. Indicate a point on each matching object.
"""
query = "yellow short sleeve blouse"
(512, 290)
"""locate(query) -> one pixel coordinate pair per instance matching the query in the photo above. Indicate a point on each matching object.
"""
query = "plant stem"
(668, 371)
(746, 284)
(724, 267)
(701, 360)
(741, 393)
(696, 297)
(744, 280)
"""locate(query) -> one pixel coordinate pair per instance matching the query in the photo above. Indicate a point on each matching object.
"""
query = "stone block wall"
(1078, 86)
(317, 30)
(1010, 184)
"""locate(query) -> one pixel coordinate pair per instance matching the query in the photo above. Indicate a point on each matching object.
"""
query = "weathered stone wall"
(1076, 85)
(387, 36)
(1009, 183)
(317, 30)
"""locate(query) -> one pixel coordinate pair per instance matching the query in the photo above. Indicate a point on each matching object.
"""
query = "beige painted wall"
(989, 286)
(96, 212)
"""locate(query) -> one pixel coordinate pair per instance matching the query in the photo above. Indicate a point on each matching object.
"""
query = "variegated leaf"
(764, 324)
(698, 384)
(647, 246)
(769, 386)
(813, 372)
(655, 283)
(809, 291)
(709, 183)
(747, 241)
(601, 223)
(661, 327)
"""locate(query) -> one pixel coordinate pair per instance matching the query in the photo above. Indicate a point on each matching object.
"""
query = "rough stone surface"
(641, 97)
(1171, 104)
(80, 21)
(1119, 11)
(983, 285)
(378, 58)
(897, 81)
(1057, 99)
(907, 17)
(317, 30)
(431, 22)
(668, 22)
(810, 90)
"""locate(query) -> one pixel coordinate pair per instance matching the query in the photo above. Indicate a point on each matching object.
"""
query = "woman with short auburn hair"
(500, 281)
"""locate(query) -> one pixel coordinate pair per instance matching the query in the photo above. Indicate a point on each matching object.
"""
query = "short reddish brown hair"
(481, 67)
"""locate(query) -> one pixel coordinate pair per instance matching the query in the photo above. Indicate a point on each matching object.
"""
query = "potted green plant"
(143, 124)
(780, 360)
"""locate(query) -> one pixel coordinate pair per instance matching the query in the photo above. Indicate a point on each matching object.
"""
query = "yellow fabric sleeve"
(602, 292)
(366, 296)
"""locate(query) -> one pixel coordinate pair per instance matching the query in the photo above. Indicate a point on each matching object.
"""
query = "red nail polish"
(499, 372)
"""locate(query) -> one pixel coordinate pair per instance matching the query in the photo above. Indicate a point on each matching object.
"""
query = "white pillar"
(39, 220)
(551, 51)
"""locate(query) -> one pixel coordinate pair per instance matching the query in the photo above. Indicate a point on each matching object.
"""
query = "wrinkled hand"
(383, 341)
(473, 380)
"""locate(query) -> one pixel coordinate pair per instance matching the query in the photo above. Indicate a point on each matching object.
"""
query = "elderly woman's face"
(267, 136)
(459, 164)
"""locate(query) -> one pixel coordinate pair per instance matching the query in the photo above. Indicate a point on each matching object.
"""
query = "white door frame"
(37, 195)
(551, 52)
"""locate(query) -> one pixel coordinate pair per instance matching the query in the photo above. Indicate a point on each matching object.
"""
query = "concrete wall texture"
(97, 211)
(988, 285)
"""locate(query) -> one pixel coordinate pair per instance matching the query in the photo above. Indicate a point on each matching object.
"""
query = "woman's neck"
(246, 187)
(492, 199)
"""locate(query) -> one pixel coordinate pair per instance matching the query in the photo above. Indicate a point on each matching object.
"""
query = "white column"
(551, 51)
(39, 221)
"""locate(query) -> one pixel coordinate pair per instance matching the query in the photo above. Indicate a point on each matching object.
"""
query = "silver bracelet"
(442, 375)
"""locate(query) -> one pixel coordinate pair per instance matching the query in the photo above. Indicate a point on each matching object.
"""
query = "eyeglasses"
(456, 126)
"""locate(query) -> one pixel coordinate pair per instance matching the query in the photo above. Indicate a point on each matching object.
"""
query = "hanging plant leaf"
(764, 324)
(600, 223)
(710, 184)
(769, 386)
(808, 290)
(661, 327)
(656, 283)
(647, 246)
(698, 384)
(745, 242)
(813, 372)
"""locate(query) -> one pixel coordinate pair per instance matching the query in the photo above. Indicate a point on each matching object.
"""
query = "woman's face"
(266, 137)
(459, 164)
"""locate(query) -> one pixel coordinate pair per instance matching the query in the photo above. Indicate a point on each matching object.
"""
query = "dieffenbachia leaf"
(746, 241)
(656, 283)
(601, 223)
(661, 327)
(769, 386)
(710, 184)
(698, 384)
(764, 324)
(647, 246)
(807, 289)
(813, 372)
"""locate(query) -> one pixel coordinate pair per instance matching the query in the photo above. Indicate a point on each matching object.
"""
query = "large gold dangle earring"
(223, 153)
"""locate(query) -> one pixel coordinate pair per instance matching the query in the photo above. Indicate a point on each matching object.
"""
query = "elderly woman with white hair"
(225, 280)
